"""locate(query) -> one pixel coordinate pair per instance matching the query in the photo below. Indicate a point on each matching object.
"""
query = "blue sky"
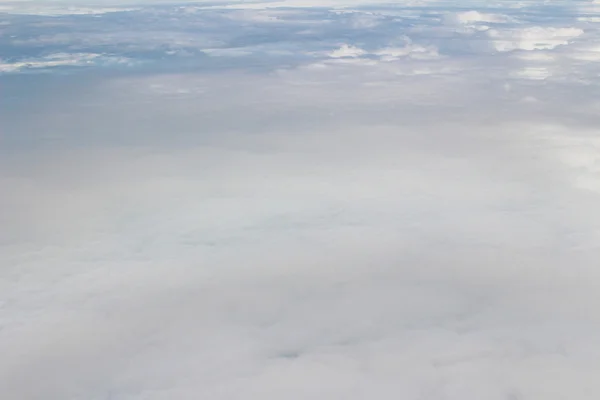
(299, 200)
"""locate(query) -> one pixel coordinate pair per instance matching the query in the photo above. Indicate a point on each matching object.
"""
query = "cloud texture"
(404, 208)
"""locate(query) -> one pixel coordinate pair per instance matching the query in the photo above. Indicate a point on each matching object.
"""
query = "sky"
(299, 200)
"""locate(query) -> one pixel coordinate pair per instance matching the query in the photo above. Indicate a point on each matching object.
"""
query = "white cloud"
(391, 218)
(586, 52)
(589, 19)
(409, 50)
(414, 51)
(532, 38)
(347, 51)
(534, 73)
(62, 60)
(54, 9)
(472, 17)
(259, 264)
(75, 7)
(536, 56)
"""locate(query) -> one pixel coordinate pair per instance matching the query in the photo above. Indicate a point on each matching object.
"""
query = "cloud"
(410, 50)
(402, 220)
(55, 8)
(470, 17)
(533, 38)
(534, 73)
(63, 60)
(347, 51)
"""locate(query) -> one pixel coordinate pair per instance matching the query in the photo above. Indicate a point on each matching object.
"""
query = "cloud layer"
(375, 202)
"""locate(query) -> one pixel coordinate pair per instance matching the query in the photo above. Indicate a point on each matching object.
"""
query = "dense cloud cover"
(299, 200)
